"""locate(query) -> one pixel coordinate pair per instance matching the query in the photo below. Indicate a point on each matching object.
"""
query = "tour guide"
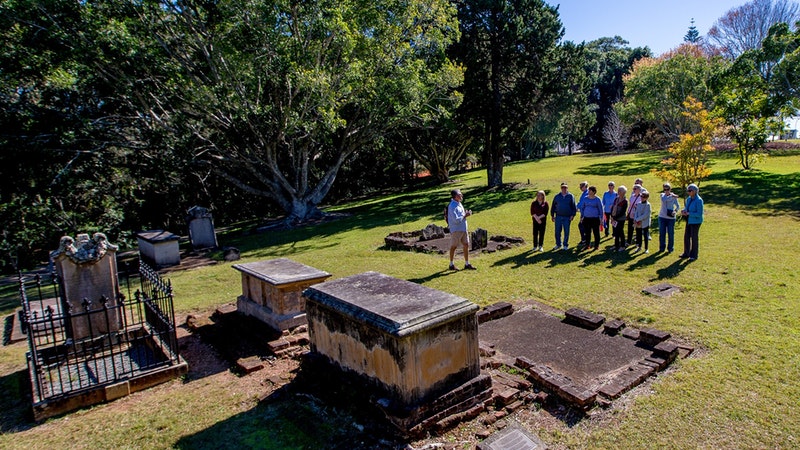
(562, 212)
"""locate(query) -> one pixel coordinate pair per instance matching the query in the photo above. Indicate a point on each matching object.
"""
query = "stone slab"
(513, 437)
(584, 319)
(582, 355)
(395, 306)
(281, 271)
(661, 290)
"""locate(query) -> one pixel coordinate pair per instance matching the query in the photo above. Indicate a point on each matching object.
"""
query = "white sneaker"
(541, 249)
(647, 251)
(637, 250)
(566, 247)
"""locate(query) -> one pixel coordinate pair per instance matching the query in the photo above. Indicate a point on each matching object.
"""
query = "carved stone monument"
(88, 272)
(159, 247)
(272, 291)
(201, 228)
(417, 345)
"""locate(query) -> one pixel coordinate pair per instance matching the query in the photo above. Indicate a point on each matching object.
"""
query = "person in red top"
(539, 210)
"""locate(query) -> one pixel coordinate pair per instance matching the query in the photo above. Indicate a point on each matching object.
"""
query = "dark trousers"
(583, 231)
(642, 234)
(619, 235)
(691, 236)
(630, 230)
(538, 232)
(591, 225)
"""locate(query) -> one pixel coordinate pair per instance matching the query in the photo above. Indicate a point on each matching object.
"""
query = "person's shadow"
(672, 270)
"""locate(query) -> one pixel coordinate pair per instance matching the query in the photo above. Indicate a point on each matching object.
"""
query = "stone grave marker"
(201, 228)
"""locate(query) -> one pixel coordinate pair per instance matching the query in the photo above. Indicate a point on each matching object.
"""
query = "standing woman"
(693, 212)
(539, 210)
(608, 202)
(591, 216)
(666, 219)
(618, 214)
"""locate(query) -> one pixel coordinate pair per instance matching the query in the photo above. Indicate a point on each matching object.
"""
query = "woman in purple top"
(591, 216)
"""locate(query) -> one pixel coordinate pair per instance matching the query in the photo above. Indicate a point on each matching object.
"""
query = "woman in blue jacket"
(693, 213)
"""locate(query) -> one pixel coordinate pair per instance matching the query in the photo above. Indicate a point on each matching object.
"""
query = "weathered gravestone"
(201, 228)
(87, 269)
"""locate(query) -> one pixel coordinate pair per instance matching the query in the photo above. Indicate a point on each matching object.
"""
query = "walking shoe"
(566, 247)
(541, 249)
(556, 248)
(683, 255)
(469, 267)
(452, 267)
(637, 249)
(647, 251)
(692, 259)
(621, 249)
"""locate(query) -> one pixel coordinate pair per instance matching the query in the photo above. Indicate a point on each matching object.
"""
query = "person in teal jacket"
(693, 214)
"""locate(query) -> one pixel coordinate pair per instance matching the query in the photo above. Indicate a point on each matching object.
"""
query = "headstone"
(159, 247)
(479, 239)
(88, 272)
(272, 291)
(412, 342)
(201, 228)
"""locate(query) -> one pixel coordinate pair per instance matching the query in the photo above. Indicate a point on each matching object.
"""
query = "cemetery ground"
(739, 307)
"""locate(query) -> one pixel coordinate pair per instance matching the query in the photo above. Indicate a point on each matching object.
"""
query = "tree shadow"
(755, 189)
(319, 408)
(633, 167)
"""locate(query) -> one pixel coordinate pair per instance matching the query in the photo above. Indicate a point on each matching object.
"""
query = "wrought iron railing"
(120, 337)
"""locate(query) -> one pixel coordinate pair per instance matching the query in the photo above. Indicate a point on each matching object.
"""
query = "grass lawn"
(740, 305)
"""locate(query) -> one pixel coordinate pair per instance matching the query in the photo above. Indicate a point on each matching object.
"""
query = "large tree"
(514, 69)
(608, 60)
(656, 88)
(275, 96)
(745, 27)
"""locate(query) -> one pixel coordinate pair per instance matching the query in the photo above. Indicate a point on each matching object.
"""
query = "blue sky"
(659, 25)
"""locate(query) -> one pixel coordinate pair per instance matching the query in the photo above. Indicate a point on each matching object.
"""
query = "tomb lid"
(398, 307)
(154, 236)
(280, 271)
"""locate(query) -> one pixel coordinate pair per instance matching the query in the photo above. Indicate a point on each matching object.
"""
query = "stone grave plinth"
(272, 291)
(417, 345)
(201, 228)
(87, 269)
(159, 247)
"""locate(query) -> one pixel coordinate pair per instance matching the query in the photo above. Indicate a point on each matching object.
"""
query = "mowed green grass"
(740, 306)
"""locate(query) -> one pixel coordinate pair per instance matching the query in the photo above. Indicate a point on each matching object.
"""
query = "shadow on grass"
(756, 189)
(15, 406)
(396, 210)
(672, 270)
(333, 411)
(630, 168)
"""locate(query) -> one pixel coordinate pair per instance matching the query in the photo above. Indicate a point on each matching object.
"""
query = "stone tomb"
(88, 272)
(159, 247)
(272, 291)
(417, 345)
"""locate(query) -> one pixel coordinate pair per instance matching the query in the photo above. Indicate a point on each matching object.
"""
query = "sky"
(658, 24)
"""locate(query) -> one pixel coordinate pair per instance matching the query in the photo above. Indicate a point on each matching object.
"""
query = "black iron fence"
(100, 341)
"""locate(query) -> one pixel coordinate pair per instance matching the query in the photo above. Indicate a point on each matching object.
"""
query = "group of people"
(611, 214)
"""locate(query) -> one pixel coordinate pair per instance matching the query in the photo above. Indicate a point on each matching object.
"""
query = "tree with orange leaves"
(690, 154)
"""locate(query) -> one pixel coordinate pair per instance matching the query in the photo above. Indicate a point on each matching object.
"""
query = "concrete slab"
(514, 437)
(586, 357)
